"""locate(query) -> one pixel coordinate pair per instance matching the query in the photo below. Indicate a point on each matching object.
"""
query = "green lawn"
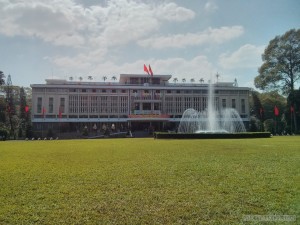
(147, 181)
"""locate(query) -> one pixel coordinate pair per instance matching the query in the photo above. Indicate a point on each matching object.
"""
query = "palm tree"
(80, 78)
(104, 78)
(201, 80)
(90, 78)
(192, 80)
(114, 78)
(183, 80)
(2, 76)
(70, 78)
(175, 80)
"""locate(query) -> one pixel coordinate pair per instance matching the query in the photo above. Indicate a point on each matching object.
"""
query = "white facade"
(136, 99)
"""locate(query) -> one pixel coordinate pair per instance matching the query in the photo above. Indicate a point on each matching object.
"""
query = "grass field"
(147, 181)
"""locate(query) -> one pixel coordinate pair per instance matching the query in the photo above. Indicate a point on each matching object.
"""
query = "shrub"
(3, 134)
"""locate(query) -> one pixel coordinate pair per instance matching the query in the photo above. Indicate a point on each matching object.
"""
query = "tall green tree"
(2, 76)
(257, 112)
(23, 111)
(257, 109)
(281, 66)
(10, 106)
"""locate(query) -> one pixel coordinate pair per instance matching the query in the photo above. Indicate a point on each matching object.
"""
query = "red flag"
(150, 70)
(276, 111)
(292, 109)
(146, 69)
(26, 108)
(59, 113)
(43, 111)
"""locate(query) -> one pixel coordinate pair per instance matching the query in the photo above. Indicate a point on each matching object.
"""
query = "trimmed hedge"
(163, 135)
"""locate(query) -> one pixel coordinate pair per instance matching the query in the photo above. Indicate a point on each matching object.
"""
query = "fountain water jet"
(211, 120)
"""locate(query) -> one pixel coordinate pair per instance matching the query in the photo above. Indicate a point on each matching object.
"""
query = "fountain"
(211, 120)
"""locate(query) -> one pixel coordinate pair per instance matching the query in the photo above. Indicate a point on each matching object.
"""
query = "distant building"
(136, 102)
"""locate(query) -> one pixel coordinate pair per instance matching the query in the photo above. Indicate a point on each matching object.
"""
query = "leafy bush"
(3, 134)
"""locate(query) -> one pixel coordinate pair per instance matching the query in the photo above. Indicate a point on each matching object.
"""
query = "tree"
(281, 63)
(292, 111)
(175, 80)
(114, 78)
(2, 112)
(192, 80)
(90, 78)
(104, 78)
(23, 112)
(257, 112)
(10, 105)
(257, 109)
(183, 80)
(2, 76)
(201, 80)
(80, 78)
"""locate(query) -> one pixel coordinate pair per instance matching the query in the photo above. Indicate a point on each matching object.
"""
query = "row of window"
(115, 104)
(41, 109)
(94, 90)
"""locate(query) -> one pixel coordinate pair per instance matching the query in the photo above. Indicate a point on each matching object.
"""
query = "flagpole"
(59, 127)
(275, 126)
(291, 120)
(43, 126)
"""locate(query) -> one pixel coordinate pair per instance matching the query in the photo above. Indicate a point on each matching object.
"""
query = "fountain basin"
(165, 135)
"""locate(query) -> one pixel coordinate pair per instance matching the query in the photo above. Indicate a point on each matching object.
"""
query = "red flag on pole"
(292, 109)
(146, 69)
(59, 112)
(26, 108)
(150, 70)
(276, 111)
(44, 112)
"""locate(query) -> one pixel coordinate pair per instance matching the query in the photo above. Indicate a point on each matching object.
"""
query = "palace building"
(137, 102)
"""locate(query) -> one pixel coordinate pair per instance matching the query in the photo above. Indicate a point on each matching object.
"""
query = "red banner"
(276, 111)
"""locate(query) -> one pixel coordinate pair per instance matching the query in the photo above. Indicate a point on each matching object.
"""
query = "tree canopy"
(281, 64)
(2, 76)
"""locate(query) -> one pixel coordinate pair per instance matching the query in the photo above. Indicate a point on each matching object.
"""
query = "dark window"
(62, 105)
(50, 105)
(233, 105)
(39, 104)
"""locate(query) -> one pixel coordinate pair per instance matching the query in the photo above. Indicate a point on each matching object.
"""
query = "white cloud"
(172, 12)
(63, 22)
(210, 7)
(209, 36)
(247, 56)
(58, 22)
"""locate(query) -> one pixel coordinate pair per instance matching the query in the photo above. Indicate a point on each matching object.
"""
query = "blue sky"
(42, 39)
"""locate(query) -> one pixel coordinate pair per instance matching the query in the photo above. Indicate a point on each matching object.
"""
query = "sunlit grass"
(137, 181)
